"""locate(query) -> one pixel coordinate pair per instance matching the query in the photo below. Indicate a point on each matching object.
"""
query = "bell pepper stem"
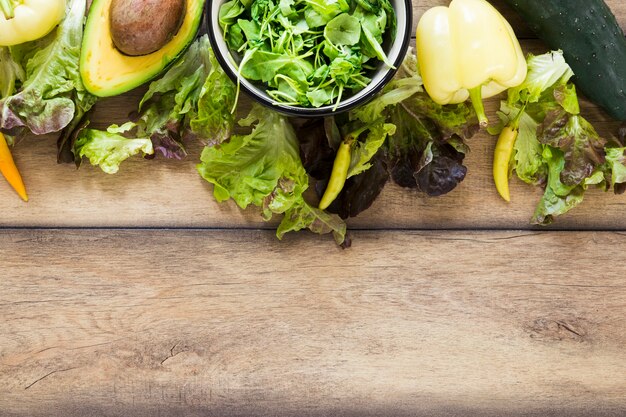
(477, 101)
(7, 9)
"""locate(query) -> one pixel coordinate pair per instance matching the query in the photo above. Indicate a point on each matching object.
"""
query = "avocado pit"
(141, 27)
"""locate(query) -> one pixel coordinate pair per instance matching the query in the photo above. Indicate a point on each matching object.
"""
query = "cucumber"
(592, 41)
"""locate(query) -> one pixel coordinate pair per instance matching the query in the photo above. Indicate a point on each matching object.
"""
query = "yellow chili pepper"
(468, 50)
(9, 170)
(502, 159)
(26, 20)
(339, 173)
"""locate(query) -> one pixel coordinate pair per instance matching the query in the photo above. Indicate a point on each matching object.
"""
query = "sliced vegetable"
(468, 50)
(192, 100)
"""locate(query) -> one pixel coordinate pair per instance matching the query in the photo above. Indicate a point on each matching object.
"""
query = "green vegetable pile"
(42, 91)
(308, 52)
(556, 147)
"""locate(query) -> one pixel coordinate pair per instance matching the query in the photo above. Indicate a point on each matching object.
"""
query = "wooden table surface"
(138, 295)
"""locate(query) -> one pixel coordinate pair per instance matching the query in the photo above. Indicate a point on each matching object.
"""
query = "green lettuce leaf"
(215, 119)
(406, 83)
(616, 160)
(304, 216)
(556, 146)
(543, 72)
(583, 148)
(558, 198)
(528, 162)
(248, 168)
(11, 72)
(365, 150)
(193, 99)
(47, 99)
(109, 149)
(263, 168)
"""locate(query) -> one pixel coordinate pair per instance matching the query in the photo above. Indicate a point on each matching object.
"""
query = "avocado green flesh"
(108, 72)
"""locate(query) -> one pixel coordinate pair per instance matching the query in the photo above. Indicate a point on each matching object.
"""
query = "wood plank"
(234, 323)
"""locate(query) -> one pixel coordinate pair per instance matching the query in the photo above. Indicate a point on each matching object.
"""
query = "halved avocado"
(108, 72)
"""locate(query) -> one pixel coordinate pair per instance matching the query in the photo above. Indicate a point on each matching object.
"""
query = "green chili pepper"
(341, 166)
(503, 154)
(339, 173)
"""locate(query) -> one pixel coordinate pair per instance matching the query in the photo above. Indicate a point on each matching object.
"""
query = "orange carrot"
(9, 170)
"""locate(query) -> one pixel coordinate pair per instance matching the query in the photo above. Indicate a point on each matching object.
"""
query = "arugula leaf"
(374, 44)
(309, 52)
(343, 30)
(328, 9)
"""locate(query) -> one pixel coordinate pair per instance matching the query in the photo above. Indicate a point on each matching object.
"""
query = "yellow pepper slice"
(468, 50)
(26, 20)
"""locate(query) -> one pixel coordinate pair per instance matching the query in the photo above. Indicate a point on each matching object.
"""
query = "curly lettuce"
(557, 148)
(263, 168)
(192, 99)
(109, 149)
(52, 94)
(410, 139)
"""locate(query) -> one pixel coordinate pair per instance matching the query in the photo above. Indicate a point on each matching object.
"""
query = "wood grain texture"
(234, 323)
(203, 323)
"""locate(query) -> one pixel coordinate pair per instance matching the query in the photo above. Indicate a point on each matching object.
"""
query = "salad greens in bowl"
(310, 58)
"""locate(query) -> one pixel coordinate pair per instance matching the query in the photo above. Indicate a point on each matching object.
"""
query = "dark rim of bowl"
(311, 111)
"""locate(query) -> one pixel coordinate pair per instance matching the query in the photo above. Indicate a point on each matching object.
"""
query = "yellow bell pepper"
(468, 50)
(26, 20)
